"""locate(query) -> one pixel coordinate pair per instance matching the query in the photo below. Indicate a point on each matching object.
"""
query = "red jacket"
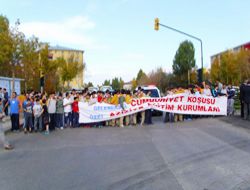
(99, 99)
(75, 107)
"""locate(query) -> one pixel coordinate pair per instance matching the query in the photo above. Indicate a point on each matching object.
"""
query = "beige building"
(67, 53)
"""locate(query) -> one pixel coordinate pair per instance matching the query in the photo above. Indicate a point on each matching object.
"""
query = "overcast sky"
(118, 36)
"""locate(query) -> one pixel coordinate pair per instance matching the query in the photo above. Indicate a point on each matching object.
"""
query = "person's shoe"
(46, 132)
(61, 128)
(8, 147)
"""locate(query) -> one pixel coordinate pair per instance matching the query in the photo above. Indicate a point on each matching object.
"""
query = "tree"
(106, 83)
(117, 83)
(134, 84)
(141, 77)
(89, 84)
(30, 67)
(215, 70)
(6, 47)
(184, 61)
(159, 78)
(193, 76)
(243, 62)
(231, 67)
(69, 69)
(49, 68)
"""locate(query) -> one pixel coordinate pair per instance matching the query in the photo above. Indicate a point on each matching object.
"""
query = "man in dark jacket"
(246, 100)
(241, 100)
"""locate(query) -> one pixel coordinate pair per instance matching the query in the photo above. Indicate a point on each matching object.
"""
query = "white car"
(105, 88)
(154, 91)
(93, 89)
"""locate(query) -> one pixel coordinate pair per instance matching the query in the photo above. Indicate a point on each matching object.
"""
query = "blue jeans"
(75, 119)
(28, 121)
(59, 120)
(67, 119)
(38, 123)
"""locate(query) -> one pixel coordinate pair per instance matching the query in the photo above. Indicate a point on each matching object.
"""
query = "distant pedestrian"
(52, 111)
(75, 113)
(37, 109)
(45, 117)
(59, 112)
(14, 112)
(28, 117)
(246, 100)
(230, 100)
(3, 140)
(67, 110)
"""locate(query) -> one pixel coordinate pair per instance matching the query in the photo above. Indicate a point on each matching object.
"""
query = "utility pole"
(157, 24)
(15, 59)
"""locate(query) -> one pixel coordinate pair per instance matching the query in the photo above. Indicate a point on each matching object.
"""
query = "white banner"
(179, 103)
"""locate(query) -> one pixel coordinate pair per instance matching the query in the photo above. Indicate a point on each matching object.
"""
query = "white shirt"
(37, 110)
(67, 108)
(52, 106)
(224, 91)
(207, 92)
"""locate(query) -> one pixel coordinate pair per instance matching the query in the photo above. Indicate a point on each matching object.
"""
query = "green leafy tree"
(89, 84)
(117, 83)
(106, 83)
(29, 69)
(215, 70)
(243, 63)
(134, 84)
(69, 69)
(49, 69)
(6, 47)
(140, 76)
(184, 61)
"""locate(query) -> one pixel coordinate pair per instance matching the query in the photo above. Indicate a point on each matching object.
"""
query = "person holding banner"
(128, 100)
(67, 103)
(115, 101)
(141, 95)
(178, 117)
(134, 116)
(121, 100)
(107, 99)
(148, 112)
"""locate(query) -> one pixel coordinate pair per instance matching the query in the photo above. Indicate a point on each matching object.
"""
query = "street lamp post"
(15, 56)
(157, 24)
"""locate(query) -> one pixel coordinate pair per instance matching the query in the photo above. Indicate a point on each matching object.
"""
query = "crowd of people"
(45, 113)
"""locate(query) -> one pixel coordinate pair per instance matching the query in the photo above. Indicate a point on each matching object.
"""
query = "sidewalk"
(237, 121)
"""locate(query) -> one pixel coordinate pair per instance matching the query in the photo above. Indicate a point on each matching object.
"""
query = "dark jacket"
(246, 94)
(241, 92)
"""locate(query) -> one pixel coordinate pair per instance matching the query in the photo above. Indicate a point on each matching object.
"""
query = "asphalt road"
(208, 153)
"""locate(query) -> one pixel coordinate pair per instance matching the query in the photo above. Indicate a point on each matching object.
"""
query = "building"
(66, 53)
(7, 83)
(235, 49)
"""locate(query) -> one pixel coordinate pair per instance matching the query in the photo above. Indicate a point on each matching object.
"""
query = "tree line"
(232, 67)
(28, 59)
